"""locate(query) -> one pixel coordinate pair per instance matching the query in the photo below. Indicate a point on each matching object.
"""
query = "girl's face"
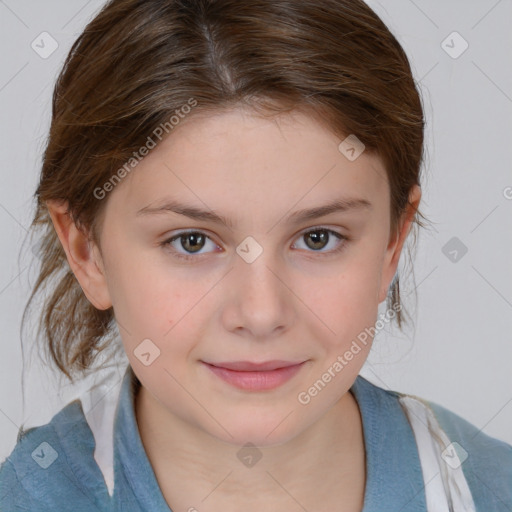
(255, 286)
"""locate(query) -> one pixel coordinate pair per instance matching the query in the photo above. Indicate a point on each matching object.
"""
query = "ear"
(82, 254)
(397, 239)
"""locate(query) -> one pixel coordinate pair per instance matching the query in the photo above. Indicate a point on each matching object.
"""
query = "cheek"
(146, 302)
(153, 309)
(346, 304)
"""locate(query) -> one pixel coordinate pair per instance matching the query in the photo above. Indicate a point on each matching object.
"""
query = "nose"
(261, 302)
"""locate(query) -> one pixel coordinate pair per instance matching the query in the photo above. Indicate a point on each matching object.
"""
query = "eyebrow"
(338, 205)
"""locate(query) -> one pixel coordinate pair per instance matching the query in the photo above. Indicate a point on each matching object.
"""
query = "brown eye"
(192, 242)
(319, 238)
(187, 244)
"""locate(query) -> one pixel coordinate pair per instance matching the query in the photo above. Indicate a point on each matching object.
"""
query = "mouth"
(248, 366)
(253, 376)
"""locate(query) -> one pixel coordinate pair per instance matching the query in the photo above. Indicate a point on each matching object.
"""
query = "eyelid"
(168, 240)
(342, 238)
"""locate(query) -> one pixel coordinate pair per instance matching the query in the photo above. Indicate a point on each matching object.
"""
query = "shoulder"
(487, 463)
(13, 496)
(51, 465)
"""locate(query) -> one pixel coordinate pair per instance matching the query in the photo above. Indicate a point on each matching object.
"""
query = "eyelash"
(342, 238)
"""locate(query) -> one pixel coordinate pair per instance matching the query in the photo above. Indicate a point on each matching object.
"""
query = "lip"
(255, 376)
(249, 366)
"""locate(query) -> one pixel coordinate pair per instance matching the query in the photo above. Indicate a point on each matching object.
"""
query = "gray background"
(459, 353)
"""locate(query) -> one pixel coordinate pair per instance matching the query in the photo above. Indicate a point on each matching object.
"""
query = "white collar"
(99, 404)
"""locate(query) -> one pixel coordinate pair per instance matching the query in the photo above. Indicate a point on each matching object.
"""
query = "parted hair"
(138, 62)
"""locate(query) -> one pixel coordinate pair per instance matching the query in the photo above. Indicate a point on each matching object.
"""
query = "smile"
(255, 380)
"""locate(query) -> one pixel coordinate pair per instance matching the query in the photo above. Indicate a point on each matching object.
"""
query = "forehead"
(237, 160)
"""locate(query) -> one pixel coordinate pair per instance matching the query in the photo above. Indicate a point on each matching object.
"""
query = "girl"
(230, 184)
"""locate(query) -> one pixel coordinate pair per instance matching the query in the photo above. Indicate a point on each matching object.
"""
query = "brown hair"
(138, 62)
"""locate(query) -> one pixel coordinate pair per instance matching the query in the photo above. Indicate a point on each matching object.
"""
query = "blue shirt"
(52, 467)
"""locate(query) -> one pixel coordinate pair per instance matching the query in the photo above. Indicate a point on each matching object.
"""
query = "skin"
(293, 302)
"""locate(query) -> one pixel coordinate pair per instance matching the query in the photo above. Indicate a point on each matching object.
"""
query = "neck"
(190, 464)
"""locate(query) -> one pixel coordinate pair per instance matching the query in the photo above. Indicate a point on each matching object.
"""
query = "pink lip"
(248, 366)
(255, 376)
